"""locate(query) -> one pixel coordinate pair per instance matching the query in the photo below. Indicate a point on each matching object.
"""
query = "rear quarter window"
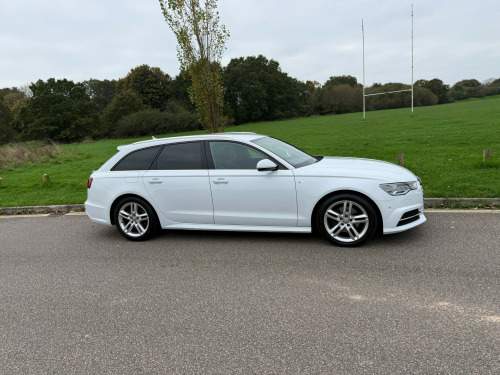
(137, 160)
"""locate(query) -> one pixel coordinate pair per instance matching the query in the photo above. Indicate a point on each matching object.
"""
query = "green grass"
(442, 144)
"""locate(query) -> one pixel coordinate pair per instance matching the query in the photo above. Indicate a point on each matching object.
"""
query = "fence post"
(401, 159)
(46, 178)
(487, 155)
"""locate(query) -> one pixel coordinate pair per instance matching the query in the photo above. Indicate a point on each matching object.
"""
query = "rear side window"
(180, 156)
(138, 160)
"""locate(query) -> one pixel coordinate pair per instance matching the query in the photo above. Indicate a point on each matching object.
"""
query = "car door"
(178, 183)
(242, 195)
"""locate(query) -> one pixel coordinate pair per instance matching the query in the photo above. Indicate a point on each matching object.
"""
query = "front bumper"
(403, 212)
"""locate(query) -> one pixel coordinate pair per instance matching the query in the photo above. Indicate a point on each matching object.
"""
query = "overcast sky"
(311, 39)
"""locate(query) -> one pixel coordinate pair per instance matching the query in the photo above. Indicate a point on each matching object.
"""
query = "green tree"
(341, 80)
(467, 88)
(257, 89)
(101, 92)
(341, 98)
(492, 86)
(59, 110)
(6, 131)
(150, 83)
(437, 87)
(123, 104)
(201, 44)
(180, 89)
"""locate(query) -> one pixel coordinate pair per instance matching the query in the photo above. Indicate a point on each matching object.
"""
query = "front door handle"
(220, 181)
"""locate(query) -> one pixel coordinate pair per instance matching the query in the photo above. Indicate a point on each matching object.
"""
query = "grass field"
(442, 144)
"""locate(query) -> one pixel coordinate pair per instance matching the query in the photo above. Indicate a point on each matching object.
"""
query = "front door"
(242, 195)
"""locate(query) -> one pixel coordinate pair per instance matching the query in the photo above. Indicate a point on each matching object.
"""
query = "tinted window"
(137, 160)
(180, 156)
(229, 155)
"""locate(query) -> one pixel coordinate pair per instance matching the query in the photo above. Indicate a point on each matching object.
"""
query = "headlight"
(399, 188)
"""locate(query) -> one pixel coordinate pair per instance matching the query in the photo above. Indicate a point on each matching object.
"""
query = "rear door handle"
(220, 181)
(155, 181)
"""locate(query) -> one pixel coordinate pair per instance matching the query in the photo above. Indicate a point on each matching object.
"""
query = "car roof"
(237, 136)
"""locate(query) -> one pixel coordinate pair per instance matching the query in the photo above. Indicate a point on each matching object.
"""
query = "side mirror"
(266, 165)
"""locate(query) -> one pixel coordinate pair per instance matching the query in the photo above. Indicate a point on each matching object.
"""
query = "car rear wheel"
(347, 220)
(135, 219)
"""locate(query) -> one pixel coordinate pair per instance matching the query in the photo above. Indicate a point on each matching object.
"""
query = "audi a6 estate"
(250, 182)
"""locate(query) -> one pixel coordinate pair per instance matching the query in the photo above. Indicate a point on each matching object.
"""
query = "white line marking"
(464, 211)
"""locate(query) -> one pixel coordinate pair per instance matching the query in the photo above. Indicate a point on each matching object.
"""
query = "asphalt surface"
(77, 298)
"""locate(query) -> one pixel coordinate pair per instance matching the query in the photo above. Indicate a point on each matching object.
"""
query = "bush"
(341, 99)
(175, 119)
(423, 97)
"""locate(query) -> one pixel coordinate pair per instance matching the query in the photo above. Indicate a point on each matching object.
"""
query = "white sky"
(311, 39)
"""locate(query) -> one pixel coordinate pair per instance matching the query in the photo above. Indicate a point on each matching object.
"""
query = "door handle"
(155, 181)
(220, 181)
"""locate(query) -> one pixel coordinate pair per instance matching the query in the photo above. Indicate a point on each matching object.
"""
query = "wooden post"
(401, 159)
(1, 181)
(487, 155)
(46, 178)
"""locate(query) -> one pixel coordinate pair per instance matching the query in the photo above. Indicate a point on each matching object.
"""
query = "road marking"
(24, 215)
(463, 211)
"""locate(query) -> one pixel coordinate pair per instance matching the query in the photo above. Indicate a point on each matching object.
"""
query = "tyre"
(135, 219)
(347, 220)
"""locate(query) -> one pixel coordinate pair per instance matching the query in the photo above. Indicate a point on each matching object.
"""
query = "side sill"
(239, 228)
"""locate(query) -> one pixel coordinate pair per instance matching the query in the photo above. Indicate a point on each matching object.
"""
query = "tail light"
(89, 182)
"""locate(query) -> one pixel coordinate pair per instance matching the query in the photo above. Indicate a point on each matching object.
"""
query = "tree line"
(148, 101)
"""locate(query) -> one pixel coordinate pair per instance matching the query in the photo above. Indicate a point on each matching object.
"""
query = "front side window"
(180, 156)
(230, 155)
(291, 154)
(137, 160)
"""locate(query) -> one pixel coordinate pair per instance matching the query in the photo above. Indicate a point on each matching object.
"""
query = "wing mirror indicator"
(266, 165)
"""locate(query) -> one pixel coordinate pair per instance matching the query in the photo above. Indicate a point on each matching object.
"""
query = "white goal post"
(388, 92)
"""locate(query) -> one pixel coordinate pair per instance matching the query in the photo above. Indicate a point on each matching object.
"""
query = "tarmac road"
(77, 298)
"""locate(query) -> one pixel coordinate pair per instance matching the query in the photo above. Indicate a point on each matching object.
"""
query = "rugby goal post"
(388, 92)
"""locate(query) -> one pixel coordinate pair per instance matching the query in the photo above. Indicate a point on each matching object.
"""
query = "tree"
(150, 83)
(341, 98)
(257, 90)
(437, 87)
(6, 131)
(341, 80)
(467, 88)
(180, 87)
(60, 110)
(123, 104)
(101, 92)
(201, 43)
(492, 86)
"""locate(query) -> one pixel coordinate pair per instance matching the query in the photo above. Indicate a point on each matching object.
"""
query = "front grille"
(409, 217)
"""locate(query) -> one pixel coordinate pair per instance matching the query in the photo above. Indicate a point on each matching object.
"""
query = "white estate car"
(250, 182)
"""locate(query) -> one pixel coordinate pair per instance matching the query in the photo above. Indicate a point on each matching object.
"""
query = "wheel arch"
(380, 223)
(119, 198)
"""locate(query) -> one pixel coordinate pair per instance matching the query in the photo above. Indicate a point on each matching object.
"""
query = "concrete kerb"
(429, 203)
(63, 208)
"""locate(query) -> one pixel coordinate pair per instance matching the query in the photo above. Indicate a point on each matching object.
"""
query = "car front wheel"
(347, 220)
(135, 219)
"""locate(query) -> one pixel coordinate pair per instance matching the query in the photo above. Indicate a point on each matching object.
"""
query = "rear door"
(178, 183)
